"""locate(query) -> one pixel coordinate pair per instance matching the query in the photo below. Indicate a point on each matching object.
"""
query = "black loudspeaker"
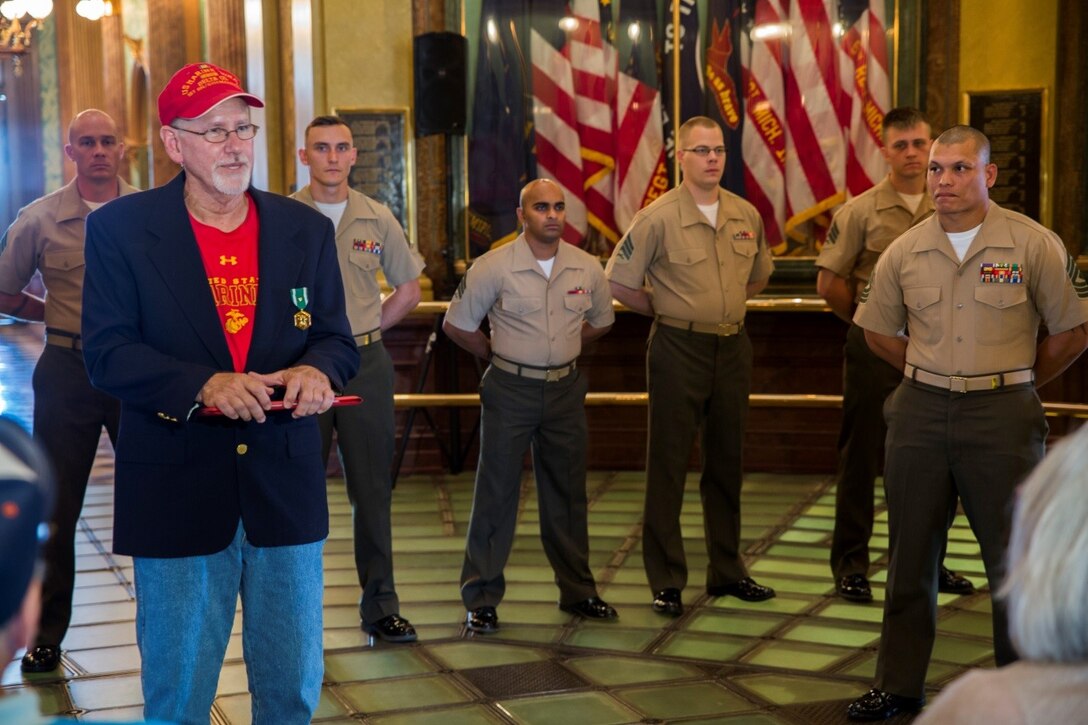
(440, 61)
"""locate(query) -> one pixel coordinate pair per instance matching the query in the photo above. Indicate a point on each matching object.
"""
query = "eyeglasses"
(244, 132)
(705, 150)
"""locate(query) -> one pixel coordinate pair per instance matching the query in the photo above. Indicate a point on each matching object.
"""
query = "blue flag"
(725, 88)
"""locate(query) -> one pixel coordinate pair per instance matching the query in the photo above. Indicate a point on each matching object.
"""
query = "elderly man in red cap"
(215, 313)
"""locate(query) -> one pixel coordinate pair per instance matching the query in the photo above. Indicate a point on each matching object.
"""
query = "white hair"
(1047, 582)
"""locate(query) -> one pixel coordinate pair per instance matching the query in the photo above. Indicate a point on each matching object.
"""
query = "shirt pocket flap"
(578, 302)
(522, 305)
(1001, 295)
(687, 255)
(918, 298)
(364, 260)
(745, 247)
(68, 259)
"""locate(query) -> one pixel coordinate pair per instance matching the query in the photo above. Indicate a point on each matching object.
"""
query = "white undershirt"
(961, 241)
(710, 211)
(911, 200)
(333, 211)
(95, 204)
(546, 265)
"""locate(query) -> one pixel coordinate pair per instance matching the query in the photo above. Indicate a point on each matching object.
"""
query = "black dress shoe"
(393, 628)
(667, 601)
(483, 619)
(949, 582)
(745, 589)
(879, 705)
(45, 658)
(592, 608)
(854, 588)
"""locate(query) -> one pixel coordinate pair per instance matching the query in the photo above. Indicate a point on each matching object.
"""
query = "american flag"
(866, 49)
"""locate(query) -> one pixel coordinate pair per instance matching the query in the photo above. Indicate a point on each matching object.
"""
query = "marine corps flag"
(724, 86)
(500, 144)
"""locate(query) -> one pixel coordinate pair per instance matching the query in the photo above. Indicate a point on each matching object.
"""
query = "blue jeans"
(184, 612)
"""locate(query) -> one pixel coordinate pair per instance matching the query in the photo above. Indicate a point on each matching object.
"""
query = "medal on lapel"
(301, 297)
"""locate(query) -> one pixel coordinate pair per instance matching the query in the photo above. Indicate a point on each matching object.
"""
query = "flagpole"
(676, 33)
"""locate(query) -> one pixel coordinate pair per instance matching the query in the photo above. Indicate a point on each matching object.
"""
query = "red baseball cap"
(194, 89)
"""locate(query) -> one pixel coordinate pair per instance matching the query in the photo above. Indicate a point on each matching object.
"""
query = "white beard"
(232, 183)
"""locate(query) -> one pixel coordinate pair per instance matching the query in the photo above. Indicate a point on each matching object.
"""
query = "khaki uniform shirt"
(694, 271)
(864, 228)
(47, 235)
(535, 320)
(979, 316)
(369, 238)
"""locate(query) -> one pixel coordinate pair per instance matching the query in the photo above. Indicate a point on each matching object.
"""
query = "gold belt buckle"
(552, 375)
(727, 328)
(957, 384)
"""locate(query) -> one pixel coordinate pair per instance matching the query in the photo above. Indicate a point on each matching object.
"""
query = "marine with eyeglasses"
(691, 260)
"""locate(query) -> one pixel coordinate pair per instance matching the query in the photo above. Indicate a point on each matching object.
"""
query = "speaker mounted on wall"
(440, 82)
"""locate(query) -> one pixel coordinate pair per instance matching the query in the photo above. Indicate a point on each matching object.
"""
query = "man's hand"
(307, 389)
(237, 396)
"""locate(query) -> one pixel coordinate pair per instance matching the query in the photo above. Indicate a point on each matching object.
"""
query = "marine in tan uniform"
(544, 300)
(971, 284)
(691, 260)
(860, 231)
(369, 239)
(69, 414)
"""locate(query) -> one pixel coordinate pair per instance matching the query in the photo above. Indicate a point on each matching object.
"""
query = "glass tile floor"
(794, 659)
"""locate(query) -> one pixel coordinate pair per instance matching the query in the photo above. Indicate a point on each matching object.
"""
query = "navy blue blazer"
(152, 338)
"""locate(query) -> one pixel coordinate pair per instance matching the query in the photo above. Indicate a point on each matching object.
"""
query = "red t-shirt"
(230, 261)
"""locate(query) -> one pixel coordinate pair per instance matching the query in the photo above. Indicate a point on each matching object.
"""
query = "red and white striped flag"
(555, 118)
(816, 150)
(763, 139)
(865, 46)
(593, 66)
(641, 175)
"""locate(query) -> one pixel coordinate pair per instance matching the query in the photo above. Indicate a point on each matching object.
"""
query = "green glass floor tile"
(702, 698)
(333, 639)
(814, 523)
(480, 653)
(793, 689)
(864, 668)
(410, 572)
(374, 664)
(797, 551)
(585, 708)
(341, 616)
(979, 604)
(796, 585)
(841, 636)
(435, 613)
(93, 635)
(343, 578)
(454, 544)
(403, 694)
(798, 536)
(614, 532)
(638, 614)
(821, 510)
(768, 565)
(606, 670)
(345, 560)
(855, 612)
(745, 625)
(961, 651)
(52, 699)
(755, 718)
(964, 548)
(532, 613)
(523, 573)
(612, 638)
(796, 656)
(778, 605)
(971, 568)
(343, 595)
(632, 573)
(99, 595)
(974, 624)
(704, 647)
(529, 633)
(616, 593)
(444, 591)
(472, 715)
(529, 592)
(941, 671)
(878, 543)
